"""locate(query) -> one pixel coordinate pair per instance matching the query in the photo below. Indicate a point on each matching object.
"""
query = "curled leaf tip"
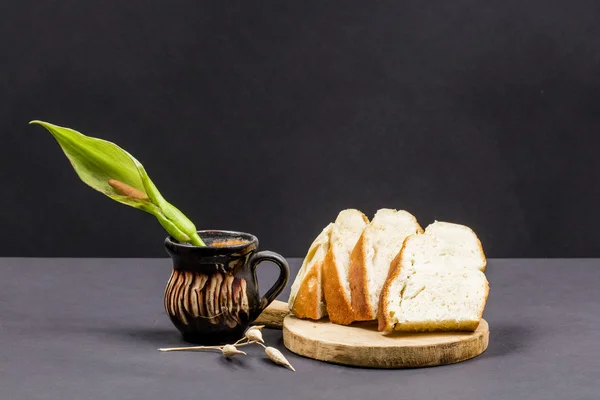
(39, 122)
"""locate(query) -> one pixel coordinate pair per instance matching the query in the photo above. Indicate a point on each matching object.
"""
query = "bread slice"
(370, 260)
(464, 242)
(347, 228)
(306, 297)
(435, 282)
(437, 300)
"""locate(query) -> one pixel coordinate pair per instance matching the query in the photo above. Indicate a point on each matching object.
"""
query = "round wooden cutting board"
(360, 344)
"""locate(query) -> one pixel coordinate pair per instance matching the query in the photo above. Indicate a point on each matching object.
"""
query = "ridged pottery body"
(212, 295)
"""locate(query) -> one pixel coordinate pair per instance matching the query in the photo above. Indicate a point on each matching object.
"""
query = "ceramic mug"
(212, 295)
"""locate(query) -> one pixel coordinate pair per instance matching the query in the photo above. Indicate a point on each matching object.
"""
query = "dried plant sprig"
(251, 336)
(109, 169)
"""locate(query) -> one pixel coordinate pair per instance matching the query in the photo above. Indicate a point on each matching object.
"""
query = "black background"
(270, 117)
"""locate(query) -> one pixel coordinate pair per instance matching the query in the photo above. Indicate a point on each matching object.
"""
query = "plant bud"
(254, 335)
(230, 350)
(259, 327)
(278, 358)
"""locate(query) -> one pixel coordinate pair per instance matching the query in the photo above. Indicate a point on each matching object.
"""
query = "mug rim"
(172, 243)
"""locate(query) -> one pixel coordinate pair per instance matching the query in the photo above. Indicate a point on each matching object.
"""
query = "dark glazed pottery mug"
(212, 295)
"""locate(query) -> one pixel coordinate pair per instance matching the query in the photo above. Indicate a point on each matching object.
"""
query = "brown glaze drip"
(230, 242)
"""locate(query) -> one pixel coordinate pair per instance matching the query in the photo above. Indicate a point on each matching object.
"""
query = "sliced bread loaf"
(306, 296)
(435, 282)
(370, 260)
(346, 230)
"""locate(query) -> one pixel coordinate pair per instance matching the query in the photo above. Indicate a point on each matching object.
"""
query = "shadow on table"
(508, 339)
(159, 337)
(235, 363)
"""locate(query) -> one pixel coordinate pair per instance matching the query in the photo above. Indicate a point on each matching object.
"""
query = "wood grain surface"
(360, 344)
(272, 316)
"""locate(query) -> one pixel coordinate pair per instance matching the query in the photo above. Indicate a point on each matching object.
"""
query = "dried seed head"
(254, 335)
(259, 327)
(278, 358)
(230, 350)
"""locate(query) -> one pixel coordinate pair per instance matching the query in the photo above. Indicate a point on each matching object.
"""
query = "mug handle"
(284, 274)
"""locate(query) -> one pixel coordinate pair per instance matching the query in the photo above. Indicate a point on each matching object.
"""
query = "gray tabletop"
(89, 329)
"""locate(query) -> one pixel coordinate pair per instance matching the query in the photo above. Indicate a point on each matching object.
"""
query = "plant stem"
(245, 344)
(196, 241)
(194, 348)
(190, 348)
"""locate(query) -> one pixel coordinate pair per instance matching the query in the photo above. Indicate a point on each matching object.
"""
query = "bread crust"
(359, 287)
(307, 300)
(467, 326)
(483, 258)
(384, 323)
(338, 304)
(479, 245)
(487, 295)
(306, 303)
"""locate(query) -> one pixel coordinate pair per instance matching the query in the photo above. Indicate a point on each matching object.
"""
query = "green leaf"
(167, 208)
(111, 170)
